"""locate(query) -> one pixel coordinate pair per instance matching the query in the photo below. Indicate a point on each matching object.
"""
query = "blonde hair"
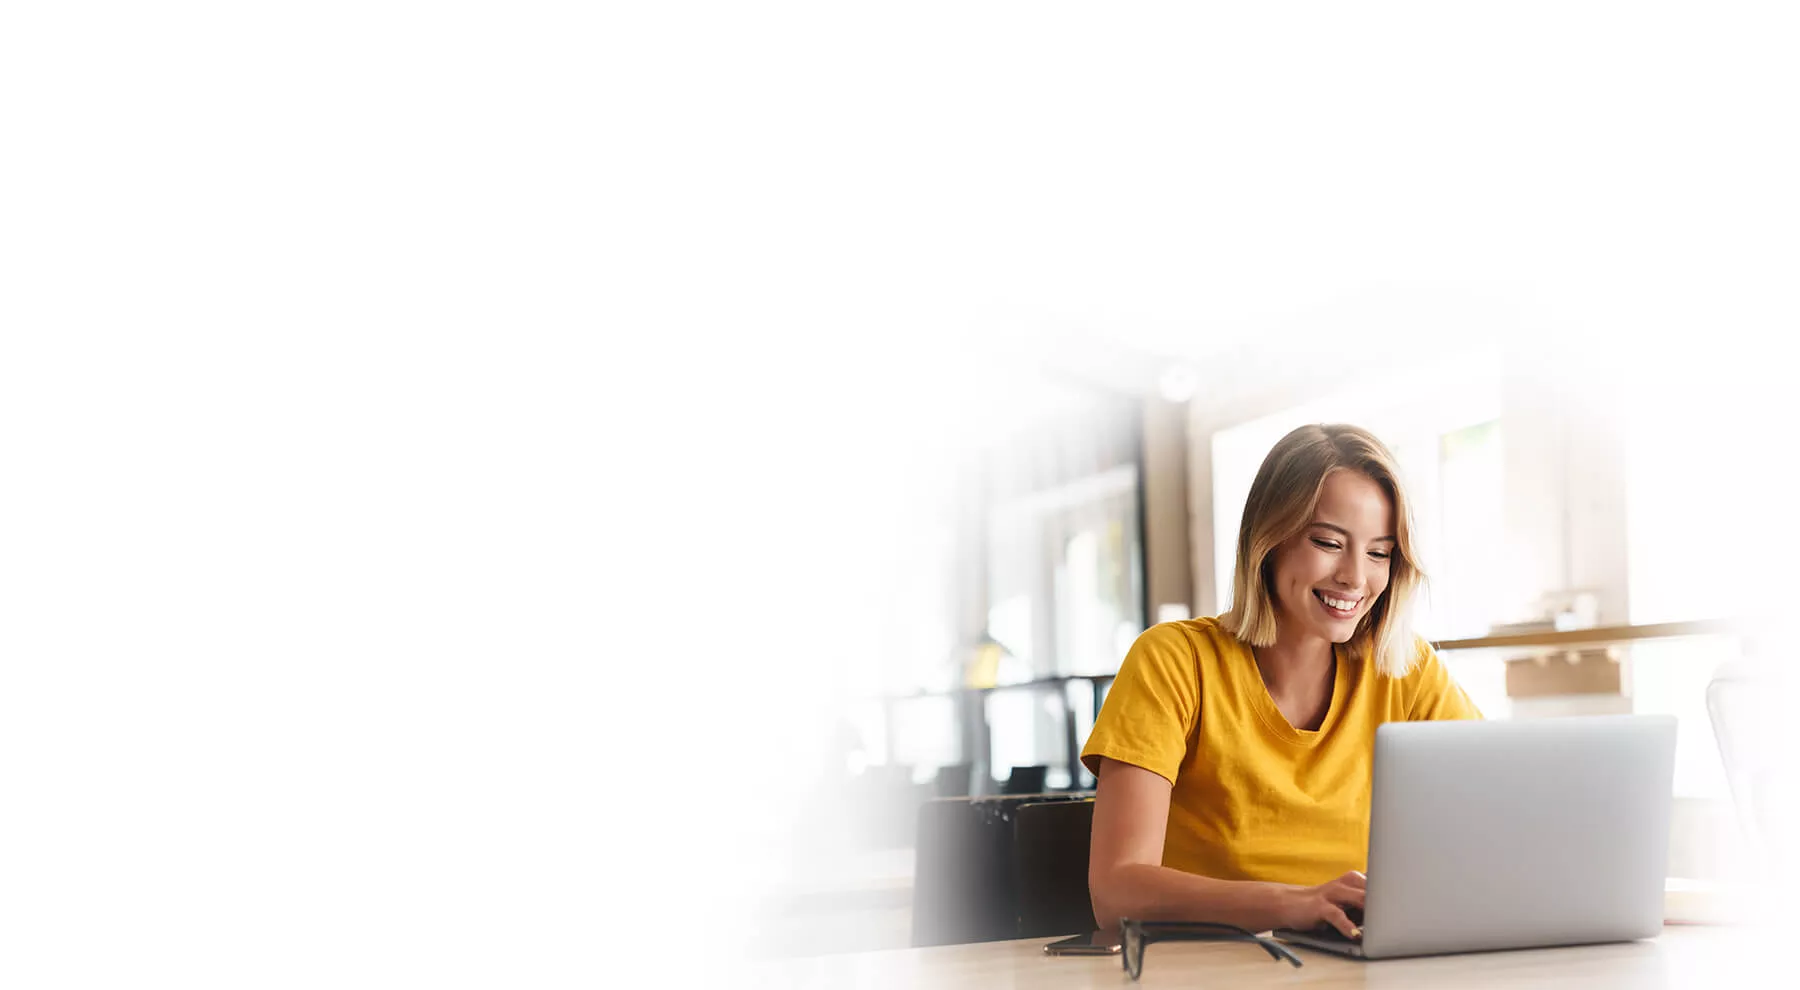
(1281, 504)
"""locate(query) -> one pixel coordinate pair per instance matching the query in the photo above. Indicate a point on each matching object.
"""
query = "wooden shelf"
(1600, 636)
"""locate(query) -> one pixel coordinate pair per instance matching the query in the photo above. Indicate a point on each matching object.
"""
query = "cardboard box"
(1592, 672)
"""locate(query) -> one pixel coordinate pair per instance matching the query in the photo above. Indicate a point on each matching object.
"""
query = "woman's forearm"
(1158, 893)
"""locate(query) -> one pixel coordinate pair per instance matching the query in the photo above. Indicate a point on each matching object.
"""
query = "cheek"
(1299, 569)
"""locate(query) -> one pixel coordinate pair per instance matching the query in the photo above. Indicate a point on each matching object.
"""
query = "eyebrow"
(1340, 529)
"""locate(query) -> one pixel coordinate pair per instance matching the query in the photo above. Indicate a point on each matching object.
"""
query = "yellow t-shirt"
(1254, 798)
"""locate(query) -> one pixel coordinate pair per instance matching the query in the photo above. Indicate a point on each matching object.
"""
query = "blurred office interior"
(1558, 495)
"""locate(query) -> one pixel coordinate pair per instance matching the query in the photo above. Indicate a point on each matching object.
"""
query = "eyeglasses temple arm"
(1277, 951)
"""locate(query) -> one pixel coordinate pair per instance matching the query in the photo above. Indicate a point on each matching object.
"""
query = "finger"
(1356, 879)
(1337, 919)
(1352, 896)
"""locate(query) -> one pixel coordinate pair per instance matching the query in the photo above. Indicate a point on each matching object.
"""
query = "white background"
(427, 430)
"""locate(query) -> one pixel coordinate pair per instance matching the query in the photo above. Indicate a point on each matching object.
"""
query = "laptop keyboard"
(1329, 933)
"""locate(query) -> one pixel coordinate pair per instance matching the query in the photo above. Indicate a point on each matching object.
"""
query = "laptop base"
(1331, 942)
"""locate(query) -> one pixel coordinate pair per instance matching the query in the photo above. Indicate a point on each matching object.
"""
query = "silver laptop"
(1513, 834)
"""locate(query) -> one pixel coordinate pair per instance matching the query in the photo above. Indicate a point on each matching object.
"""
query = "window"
(1067, 597)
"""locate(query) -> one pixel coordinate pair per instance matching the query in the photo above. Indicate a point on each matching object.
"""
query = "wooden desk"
(1683, 956)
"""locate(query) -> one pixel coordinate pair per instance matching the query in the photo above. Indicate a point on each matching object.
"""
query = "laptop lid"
(1517, 833)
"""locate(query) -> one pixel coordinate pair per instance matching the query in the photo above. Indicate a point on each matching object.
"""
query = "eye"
(1324, 544)
(1379, 554)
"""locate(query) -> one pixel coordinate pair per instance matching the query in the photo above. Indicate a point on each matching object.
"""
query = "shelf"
(1600, 636)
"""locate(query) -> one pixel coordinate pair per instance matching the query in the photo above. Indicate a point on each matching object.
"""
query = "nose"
(1349, 572)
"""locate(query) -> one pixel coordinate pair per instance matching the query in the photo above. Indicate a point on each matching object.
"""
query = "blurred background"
(1559, 494)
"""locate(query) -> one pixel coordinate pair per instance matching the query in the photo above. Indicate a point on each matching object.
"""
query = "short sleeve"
(1153, 705)
(1435, 695)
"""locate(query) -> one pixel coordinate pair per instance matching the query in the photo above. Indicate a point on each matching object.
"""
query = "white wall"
(1565, 481)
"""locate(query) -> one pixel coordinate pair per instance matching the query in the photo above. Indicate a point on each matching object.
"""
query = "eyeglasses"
(1138, 934)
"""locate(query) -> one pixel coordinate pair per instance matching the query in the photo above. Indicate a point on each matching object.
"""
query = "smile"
(1342, 608)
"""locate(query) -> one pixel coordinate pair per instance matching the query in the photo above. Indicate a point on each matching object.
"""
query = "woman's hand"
(1310, 907)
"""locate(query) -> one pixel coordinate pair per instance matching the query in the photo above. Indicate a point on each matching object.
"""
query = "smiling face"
(1328, 577)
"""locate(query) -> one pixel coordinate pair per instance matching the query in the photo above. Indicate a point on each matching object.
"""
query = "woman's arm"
(1126, 878)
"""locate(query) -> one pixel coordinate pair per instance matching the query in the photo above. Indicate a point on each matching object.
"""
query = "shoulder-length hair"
(1281, 504)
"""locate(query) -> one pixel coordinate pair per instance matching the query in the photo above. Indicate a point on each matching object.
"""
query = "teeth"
(1342, 605)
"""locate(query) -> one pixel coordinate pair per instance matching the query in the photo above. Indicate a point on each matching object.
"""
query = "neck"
(1294, 658)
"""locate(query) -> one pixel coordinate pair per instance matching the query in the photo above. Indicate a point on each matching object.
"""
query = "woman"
(1234, 754)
